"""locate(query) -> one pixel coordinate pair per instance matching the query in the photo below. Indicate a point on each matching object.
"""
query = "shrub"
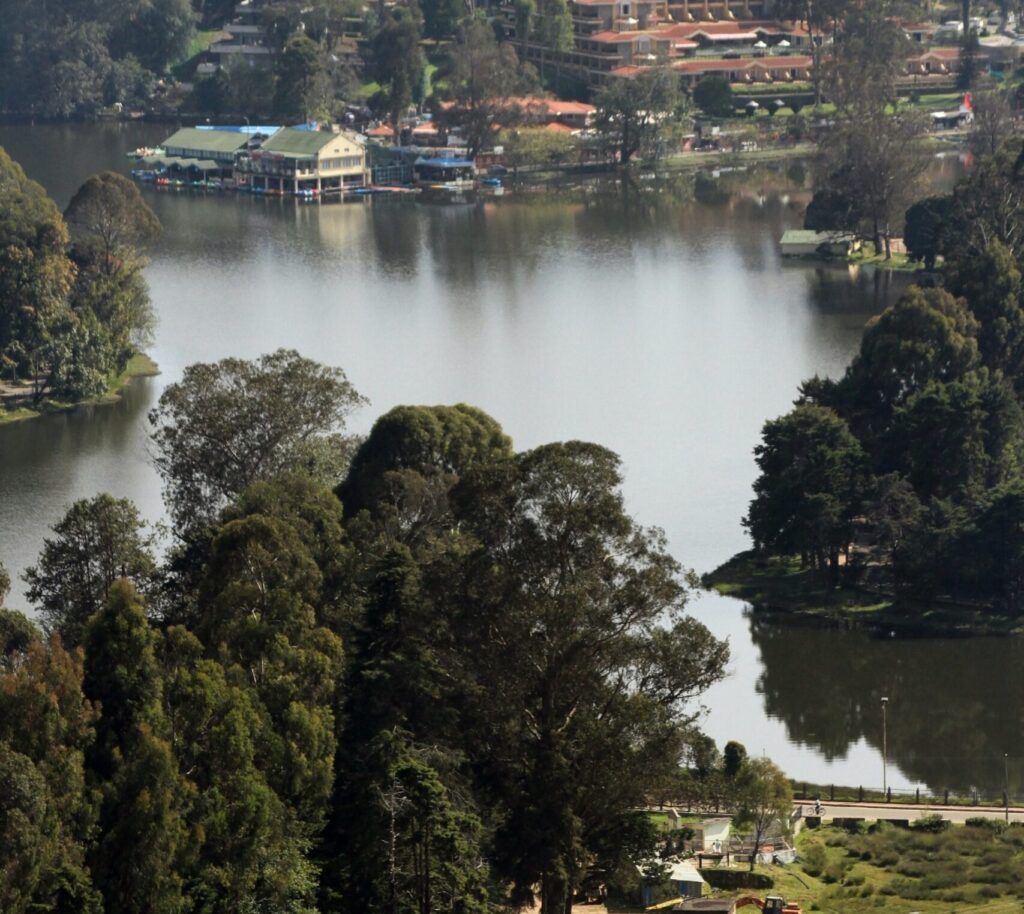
(814, 858)
(834, 872)
(931, 824)
(993, 825)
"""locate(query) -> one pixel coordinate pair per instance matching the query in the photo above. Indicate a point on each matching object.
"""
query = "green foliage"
(764, 801)
(67, 326)
(232, 423)
(923, 229)
(537, 147)
(142, 829)
(931, 823)
(98, 541)
(17, 632)
(713, 95)
(486, 84)
(398, 61)
(71, 61)
(517, 675)
(814, 858)
(809, 488)
(643, 115)
(297, 67)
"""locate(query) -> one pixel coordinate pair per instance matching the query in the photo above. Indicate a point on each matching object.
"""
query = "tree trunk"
(888, 247)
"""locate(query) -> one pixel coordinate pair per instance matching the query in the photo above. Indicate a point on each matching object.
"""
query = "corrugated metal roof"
(210, 141)
(291, 141)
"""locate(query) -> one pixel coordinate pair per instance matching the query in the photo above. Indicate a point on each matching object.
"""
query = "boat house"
(443, 171)
(300, 161)
(218, 146)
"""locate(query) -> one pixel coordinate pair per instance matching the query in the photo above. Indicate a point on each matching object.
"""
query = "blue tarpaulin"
(444, 163)
(239, 128)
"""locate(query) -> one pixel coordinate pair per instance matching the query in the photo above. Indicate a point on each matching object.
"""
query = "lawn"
(202, 40)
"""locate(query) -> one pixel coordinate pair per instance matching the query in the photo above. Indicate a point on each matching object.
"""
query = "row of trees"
(73, 58)
(920, 442)
(74, 305)
(445, 685)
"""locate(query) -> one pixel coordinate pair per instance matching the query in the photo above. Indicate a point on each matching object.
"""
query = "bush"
(993, 825)
(814, 858)
(736, 879)
(713, 95)
(834, 872)
(931, 824)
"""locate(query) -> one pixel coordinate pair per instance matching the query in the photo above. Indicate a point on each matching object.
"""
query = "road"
(907, 811)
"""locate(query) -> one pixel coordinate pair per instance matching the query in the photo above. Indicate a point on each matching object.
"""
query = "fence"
(803, 790)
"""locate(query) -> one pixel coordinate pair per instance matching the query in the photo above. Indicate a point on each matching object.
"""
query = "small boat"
(491, 182)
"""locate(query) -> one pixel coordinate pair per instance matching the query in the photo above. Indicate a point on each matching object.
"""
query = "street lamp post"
(885, 753)
(1006, 784)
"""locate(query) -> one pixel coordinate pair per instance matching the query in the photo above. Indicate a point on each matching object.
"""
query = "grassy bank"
(779, 585)
(139, 366)
(901, 869)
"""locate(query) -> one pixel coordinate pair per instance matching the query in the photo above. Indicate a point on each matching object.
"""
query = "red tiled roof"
(382, 130)
(555, 107)
(794, 60)
(940, 53)
(764, 63)
(558, 127)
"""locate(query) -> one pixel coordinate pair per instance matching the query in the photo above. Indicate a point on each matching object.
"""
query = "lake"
(657, 319)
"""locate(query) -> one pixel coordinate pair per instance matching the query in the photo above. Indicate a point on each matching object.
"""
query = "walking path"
(907, 811)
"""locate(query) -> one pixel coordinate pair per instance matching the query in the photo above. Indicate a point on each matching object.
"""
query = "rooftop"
(292, 142)
(205, 140)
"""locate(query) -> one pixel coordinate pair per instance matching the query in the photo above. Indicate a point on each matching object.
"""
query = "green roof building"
(304, 161)
(193, 143)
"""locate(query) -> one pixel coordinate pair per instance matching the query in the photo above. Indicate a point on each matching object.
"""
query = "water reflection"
(953, 703)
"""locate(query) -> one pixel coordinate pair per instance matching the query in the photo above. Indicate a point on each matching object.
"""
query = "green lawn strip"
(866, 256)
(780, 585)
(368, 89)
(200, 43)
(139, 366)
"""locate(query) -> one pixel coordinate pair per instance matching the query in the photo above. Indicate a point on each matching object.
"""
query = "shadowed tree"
(142, 835)
(110, 221)
(98, 541)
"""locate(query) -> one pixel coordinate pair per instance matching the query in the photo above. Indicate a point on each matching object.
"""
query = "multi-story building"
(610, 35)
(300, 161)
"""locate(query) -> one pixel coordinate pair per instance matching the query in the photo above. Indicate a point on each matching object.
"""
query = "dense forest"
(74, 303)
(907, 470)
(415, 672)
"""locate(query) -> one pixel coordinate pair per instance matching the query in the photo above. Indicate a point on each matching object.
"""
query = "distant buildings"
(736, 39)
(274, 160)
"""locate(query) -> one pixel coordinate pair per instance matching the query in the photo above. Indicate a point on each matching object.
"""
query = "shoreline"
(778, 590)
(139, 365)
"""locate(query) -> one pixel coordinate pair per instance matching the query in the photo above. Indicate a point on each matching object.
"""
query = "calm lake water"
(662, 325)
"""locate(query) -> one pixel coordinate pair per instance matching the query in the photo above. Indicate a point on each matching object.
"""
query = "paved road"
(907, 811)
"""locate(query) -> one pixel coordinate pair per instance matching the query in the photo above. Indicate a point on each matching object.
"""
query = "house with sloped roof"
(301, 161)
(195, 143)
